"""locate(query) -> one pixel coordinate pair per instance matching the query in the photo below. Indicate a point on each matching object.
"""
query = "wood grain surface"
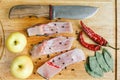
(103, 23)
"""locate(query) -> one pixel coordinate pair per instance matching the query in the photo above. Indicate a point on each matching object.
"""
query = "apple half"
(22, 67)
(16, 42)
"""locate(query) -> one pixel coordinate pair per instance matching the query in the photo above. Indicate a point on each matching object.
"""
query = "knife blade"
(52, 12)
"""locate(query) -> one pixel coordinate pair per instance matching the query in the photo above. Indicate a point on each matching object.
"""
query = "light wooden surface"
(102, 23)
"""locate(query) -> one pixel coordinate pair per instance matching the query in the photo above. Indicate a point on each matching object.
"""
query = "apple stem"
(20, 66)
(15, 42)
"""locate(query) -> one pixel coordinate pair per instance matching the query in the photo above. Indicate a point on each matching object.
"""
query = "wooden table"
(104, 23)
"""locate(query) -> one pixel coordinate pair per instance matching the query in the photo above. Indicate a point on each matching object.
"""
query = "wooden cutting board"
(102, 23)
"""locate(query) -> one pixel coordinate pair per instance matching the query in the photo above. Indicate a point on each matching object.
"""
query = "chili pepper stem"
(112, 47)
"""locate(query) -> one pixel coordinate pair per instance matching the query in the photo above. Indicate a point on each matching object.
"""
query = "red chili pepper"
(87, 45)
(95, 37)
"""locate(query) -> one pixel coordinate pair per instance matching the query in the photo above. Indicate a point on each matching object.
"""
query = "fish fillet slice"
(57, 44)
(50, 28)
(56, 64)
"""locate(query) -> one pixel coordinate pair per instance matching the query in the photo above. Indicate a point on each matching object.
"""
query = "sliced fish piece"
(57, 44)
(56, 64)
(50, 28)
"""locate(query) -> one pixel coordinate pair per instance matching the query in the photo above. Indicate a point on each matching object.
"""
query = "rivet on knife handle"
(52, 12)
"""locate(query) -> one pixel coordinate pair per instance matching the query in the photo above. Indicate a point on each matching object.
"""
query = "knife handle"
(20, 11)
(50, 12)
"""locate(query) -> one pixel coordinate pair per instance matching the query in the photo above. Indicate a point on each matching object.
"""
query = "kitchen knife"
(52, 12)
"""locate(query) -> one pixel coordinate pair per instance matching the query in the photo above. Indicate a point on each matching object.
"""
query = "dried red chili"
(95, 37)
(87, 45)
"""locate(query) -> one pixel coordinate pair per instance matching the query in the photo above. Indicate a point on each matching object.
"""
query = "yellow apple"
(16, 42)
(22, 67)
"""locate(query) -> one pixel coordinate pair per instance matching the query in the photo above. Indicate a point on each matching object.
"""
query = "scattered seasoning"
(66, 51)
(35, 62)
(49, 47)
(59, 58)
(60, 42)
(72, 69)
(76, 32)
(53, 60)
(34, 73)
(46, 34)
(56, 32)
(51, 29)
(39, 58)
(59, 18)
(72, 59)
(30, 53)
(51, 37)
(55, 24)
(32, 44)
(67, 37)
(62, 26)
(65, 44)
(38, 35)
(30, 16)
(48, 56)
(39, 42)
(63, 63)
(61, 52)
(65, 67)
(56, 20)
(59, 73)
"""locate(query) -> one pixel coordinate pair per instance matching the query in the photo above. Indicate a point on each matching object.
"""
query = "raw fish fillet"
(56, 64)
(50, 28)
(57, 44)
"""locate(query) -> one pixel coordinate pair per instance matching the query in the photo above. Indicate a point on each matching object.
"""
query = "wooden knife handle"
(20, 11)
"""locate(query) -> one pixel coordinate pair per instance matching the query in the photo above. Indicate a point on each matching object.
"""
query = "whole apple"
(22, 67)
(16, 42)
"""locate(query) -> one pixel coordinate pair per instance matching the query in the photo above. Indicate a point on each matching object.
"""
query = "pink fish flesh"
(50, 28)
(56, 64)
(57, 44)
